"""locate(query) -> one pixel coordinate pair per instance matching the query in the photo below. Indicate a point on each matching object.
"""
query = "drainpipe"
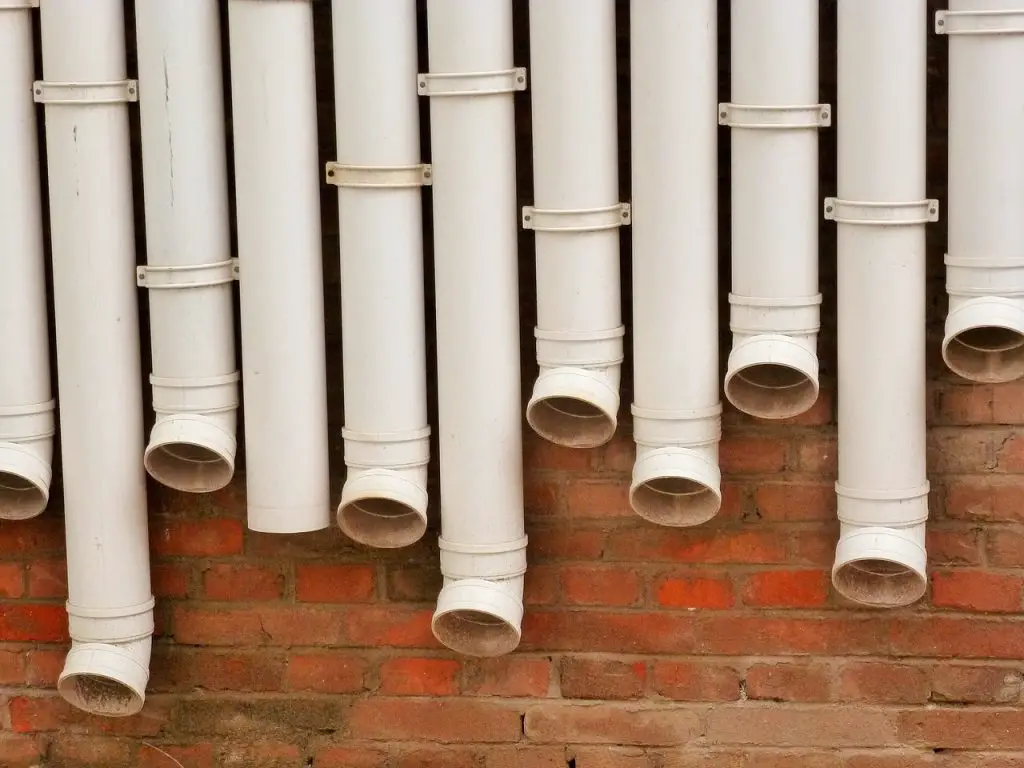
(110, 605)
(277, 197)
(26, 401)
(984, 338)
(676, 411)
(576, 216)
(379, 177)
(471, 87)
(774, 116)
(881, 211)
(188, 246)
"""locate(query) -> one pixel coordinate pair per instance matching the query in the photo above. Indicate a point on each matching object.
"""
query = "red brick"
(972, 638)
(561, 723)
(975, 685)
(31, 714)
(390, 626)
(962, 728)
(770, 636)
(251, 716)
(12, 667)
(195, 538)
(976, 591)
(631, 757)
(825, 726)
(12, 580)
(601, 678)
(349, 757)
(191, 755)
(958, 451)
(437, 757)
(695, 590)
(440, 720)
(788, 682)
(170, 580)
(266, 625)
(985, 499)
(32, 622)
(883, 683)
(416, 584)
(618, 455)
(560, 544)
(266, 754)
(600, 585)
(542, 496)
(952, 547)
(1009, 453)
(419, 677)
(1006, 548)
(962, 404)
(335, 583)
(599, 631)
(787, 589)
(743, 455)
(326, 672)
(543, 584)
(31, 538)
(815, 547)
(73, 751)
(500, 756)
(516, 676)
(176, 668)
(20, 751)
(242, 582)
(696, 545)
(791, 503)
(541, 454)
(587, 499)
(696, 681)
(43, 667)
(818, 456)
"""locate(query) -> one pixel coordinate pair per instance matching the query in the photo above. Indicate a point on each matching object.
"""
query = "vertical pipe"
(26, 401)
(881, 211)
(984, 339)
(277, 198)
(379, 175)
(110, 605)
(472, 117)
(676, 411)
(188, 245)
(576, 217)
(774, 116)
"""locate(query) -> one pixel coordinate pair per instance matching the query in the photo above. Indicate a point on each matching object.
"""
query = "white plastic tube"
(472, 116)
(110, 604)
(881, 211)
(775, 305)
(576, 216)
(188, 246)
(676, 410)
(379, 176)
(984, 338)
(277, 198)
(26, 402)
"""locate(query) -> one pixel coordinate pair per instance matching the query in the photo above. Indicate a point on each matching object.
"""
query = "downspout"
(471, 87)
(110, 605)
(881, 211)
(576, 216)
(190, 273)
(26, 400)
(277, 198)
(984, 338)
(379, 178)
(774, 116)
(676, 410)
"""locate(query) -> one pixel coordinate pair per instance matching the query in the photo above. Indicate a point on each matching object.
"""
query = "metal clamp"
(114, 92)
(191, 276)
(780, 117)
(578, 219)
(471, 83)
(380, 176)
(979, 22)
(18, 5)
(881, 214)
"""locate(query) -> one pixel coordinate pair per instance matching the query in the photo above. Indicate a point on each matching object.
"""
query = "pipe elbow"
(984, 338)
(26, 456)
(773, 376)
(575, 407)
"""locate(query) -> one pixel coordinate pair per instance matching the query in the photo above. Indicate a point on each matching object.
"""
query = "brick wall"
(642, 647)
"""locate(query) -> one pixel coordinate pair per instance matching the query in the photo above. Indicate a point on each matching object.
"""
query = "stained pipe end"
(480, 617)
(384, 508)
(574, 407)
(676, 487)
(106, 679)
(191, 453)
(984, 340)
(881, 567)
(24, 482)
(772, 377)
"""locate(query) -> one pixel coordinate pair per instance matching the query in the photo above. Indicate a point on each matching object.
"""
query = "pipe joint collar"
(773, 376)
(391, 450)
(25, 475)
(676, 486)
(503, 560)
(479, 617)
(754, 315)
(110, 625)
(900, 508)
(209, 395)
(989, 276)
(384, 508)
(27, 423)
(106, 679)
(192, 452)
(984, 338)
(691, 428)
(881, 567)
(580, 349)
(575, 407)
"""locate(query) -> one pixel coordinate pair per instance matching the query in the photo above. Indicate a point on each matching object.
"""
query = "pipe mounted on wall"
(576, 217)
(676, 411)
(26, 400)
(110, 604)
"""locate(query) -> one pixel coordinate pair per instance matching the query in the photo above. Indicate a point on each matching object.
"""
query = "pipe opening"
(989, 354)
(771, 390)
(381, 522)
(571, 422)
(100, 695)
(189, 467)
(476, 633)
(879, 582)
(675, 501)
(20, 498)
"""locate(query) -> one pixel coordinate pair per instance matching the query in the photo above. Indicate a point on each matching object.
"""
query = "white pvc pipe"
(472, 118)
(984, 339)
(188, 245)
(676, 408)
(26, 402)
(882, 487)
(110, 604)
(774, 116)
(576, 216)
(379, 175)
(277, 196)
